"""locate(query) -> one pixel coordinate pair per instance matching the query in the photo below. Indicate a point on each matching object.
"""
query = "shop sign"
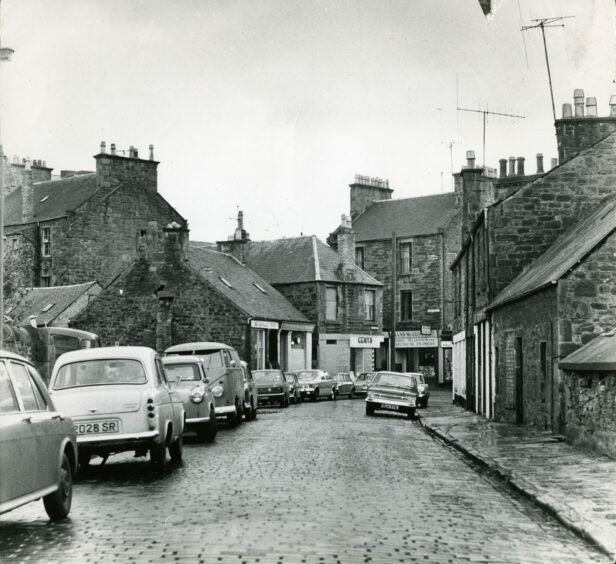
(425, 330)
(258, 324)
(366, 341)
(446, 345)
(415, 340)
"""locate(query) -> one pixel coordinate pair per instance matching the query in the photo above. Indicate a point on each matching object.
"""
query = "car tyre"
(333, 395)
(315, 395)
(411, 413)
(158, 456)
(83, 459)
(351, 394)
(208, 431)
(58, 504)
(369, 409)
(176, 449)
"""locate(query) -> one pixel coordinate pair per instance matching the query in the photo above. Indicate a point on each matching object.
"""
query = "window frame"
(331, 290)
(369, 308)
(360, 257)
(409, 304)
(405, 265)
(46, 241)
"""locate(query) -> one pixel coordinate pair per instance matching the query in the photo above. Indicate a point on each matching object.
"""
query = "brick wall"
(534, 320)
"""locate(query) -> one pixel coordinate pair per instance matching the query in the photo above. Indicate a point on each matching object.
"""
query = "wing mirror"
(206, 380)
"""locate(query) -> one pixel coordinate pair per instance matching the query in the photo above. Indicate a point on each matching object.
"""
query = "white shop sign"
(366, 341)
(415, 340)
(258, 324)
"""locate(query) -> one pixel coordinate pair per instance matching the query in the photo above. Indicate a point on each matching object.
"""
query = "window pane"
(369, 304)
(102, 372)
(42, 402)
(8, 401)
(331, 303)
(405, 257)
(24, 386)
(406, 304)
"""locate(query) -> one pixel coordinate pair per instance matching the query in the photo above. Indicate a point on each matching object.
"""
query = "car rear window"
(187, 372)
(101, 372)
(398, 380)
(265, 376)
(8, 400)
(306, 375)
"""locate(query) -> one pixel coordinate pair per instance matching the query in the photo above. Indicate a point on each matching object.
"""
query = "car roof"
(197, 346)
(267, 370)
(137, 353)
(13, 356)
(183, 359)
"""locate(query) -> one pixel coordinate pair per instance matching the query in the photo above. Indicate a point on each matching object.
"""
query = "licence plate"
(389, 406)
(97, 427)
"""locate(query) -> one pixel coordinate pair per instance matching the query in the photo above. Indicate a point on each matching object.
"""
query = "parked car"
(38, 449)
(224, 371)
(423, 389)
(251, 394)
(316, 383)
(295, 390)
(392, 391)
(273, 387)
(120, 400)
(361, 383)
(186, 375)
(344, 384)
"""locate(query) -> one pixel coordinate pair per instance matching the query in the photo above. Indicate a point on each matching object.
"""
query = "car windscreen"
(186, 372)
(265, 376)
(397, 380)
(100, 372)
(306, 376)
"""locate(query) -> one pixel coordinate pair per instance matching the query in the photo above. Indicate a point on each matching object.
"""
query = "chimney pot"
(151, 152)
(613, 105)
(511, 166)
(521, 166)
(470, 159)
(136, 153)
(113, 152)
(503, 168)
(578, 102)
(28, 163)
(539, 163)
(554, 162)
(103, 147)
(591, 107)
(44, 164)
(567, 111)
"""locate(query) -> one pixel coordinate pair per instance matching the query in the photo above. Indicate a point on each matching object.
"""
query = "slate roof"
(299, 259)
(563, 255)
(268, 305)
(35, 301)
(596, 355)
(408, 217)
(54, 198)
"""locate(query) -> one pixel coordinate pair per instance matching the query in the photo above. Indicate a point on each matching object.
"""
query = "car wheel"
(232, 418)
(411, 413)
(158, 455)
(83, 459)
(209, 430)
(176, 448)
(315, 395)
(253, 414)
(58, 504)
(369, 409)
(425, 403)
(333, 395)
(351, 394)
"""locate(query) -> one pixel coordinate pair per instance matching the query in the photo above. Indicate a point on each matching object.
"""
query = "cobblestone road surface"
(312, 483)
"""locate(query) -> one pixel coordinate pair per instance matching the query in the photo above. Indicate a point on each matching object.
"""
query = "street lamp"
(5, 55)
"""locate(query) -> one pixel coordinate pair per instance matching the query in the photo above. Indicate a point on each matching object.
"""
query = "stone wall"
(591, 410)
(21, 261)
(576, 134)
(533, 319)
(363, 196)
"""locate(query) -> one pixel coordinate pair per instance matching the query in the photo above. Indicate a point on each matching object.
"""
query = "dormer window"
(46, 241)
(225, 282)
(259, 287)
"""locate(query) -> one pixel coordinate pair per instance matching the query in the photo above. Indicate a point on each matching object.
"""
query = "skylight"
(259, 287)
(225, 282)
(44, 198)
(47, 307)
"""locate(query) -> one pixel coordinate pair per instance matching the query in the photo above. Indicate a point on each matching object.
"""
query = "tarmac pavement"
(576, 486)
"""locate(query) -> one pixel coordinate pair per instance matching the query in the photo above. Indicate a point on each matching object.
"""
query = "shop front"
(285, 345)
(363, 350)
(421, 351)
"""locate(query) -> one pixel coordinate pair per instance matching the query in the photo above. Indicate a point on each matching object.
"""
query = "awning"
(296, 326)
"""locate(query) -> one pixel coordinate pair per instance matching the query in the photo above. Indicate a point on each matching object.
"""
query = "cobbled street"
(312, 483)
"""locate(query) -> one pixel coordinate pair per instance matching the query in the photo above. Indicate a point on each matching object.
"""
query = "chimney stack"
(539, 163)
(591, 107)
(613, 105)
(113, 149)
(511, 166)
(346, 248)
(521, 166)
(117, 168)
(151, 152)
(27, 194)
(578, 102)
(554, 162)
(502, 168)
(470, 159)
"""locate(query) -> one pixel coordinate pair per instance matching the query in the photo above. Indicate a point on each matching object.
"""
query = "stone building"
(84, 226)
(506, 227)
(423, 235)
(169, 295)
(343, 302)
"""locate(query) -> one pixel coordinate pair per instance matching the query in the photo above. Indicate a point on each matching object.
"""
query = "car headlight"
(197, 396)
(218, 391)
(370, 396)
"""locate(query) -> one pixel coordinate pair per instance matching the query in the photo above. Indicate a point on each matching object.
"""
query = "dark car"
(272, 386)
(344, 384)
(295, 390)
(361, 383)
(392, 391)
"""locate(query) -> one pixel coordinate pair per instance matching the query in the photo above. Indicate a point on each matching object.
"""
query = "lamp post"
(5, 55)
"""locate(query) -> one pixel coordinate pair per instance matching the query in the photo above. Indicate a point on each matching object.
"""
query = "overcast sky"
(272, 106)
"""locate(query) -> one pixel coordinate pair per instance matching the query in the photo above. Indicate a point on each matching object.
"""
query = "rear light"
(218, 391)
(151, 411)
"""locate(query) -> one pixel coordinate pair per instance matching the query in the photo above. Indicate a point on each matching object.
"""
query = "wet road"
(312, 483)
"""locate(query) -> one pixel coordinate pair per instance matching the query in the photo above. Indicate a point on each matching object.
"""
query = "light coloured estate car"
(224, 371)
(38, 450)
(120, 400)
(186, 375)
(392, 391)
(316, 384)
(251, 393)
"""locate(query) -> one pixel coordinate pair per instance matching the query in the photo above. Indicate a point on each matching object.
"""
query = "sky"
(272, 106)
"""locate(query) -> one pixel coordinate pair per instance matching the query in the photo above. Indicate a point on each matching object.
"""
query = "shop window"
(369, 313)
(406, 305)
(331, 304)
(297, 340)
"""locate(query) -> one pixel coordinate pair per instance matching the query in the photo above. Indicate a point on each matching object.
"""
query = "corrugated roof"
(299, 259)
(563, 255)
(51, 199)
(408, 217)
(598, 354)
(47, 303)
(243, 286)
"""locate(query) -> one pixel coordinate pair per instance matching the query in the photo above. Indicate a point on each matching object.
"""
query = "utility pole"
(394, 289)
(485, 113)
(542, 23)
(5, 55)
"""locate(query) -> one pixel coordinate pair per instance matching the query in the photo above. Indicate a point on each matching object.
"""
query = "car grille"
(381, 395)
(271, 390)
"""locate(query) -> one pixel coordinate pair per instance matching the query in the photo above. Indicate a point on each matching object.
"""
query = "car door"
(235, 368)
(166, 394)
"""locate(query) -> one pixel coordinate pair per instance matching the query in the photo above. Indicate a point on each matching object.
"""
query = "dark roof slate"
(52, 199)
(299, 259)
(596, 355)
(36, 300)
(407, 217)
(563, 255)
(271, 305)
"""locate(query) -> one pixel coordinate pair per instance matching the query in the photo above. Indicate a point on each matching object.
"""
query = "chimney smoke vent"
(539, 163)
(113, 149)
(521, 166)
(591, 107)
(103, 147)
(511, 166)
(151, 152)
(470, 159)
(503, 168)
(578, 101)
(613, 105)
(567, 111)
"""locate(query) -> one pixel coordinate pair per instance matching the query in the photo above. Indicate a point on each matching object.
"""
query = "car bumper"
(388, 404)
(146, 437)
(197, 420)
(224, 410)
(271, 397)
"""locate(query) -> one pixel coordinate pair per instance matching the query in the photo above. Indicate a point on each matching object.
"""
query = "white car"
(315, 384)
(120, 400)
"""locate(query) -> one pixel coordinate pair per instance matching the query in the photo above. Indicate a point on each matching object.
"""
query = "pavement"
(575, 486)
